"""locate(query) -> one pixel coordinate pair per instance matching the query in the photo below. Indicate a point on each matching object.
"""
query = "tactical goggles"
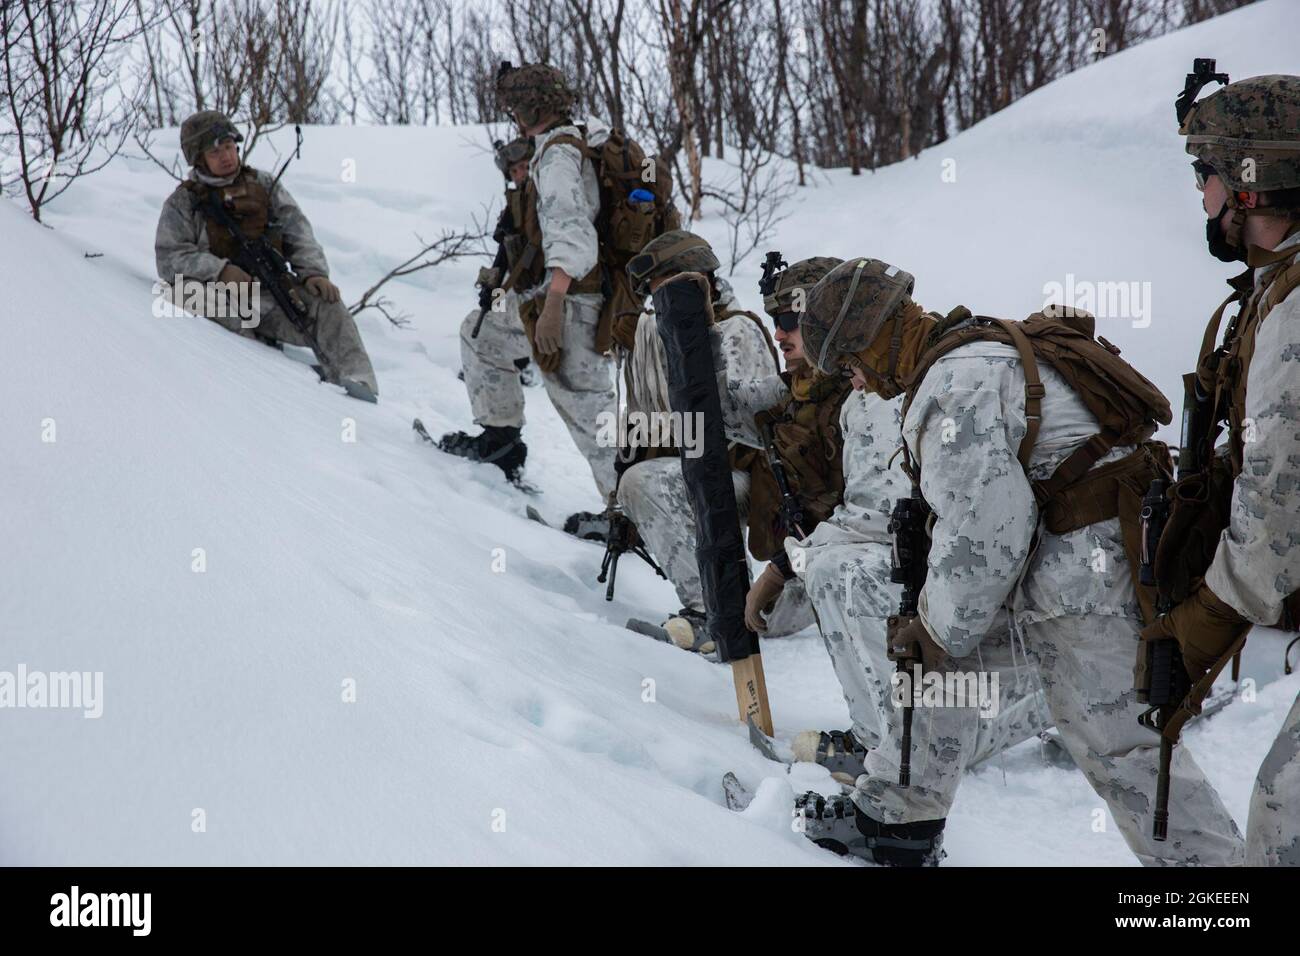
(1203, 171)
(786, 321)
(639, 268)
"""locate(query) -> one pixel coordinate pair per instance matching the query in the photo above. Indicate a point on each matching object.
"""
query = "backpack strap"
(1282, 286)
(1034, 390)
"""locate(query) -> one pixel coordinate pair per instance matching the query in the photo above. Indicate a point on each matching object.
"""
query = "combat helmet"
(781, 293)
(533, 90)
(849, 306)
(203, 130)
(675, 251)
(506, 155)
(1248, 131)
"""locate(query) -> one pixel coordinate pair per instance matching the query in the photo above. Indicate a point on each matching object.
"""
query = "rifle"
(500, 266)
(791, 508)
(1165, 683)
(263, 261)
(908, 566)
(620, 539)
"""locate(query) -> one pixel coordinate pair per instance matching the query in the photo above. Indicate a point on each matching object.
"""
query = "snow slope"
(501, 716)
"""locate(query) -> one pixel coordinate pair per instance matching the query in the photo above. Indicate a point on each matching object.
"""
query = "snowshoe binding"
(838, 751)
(836, 824)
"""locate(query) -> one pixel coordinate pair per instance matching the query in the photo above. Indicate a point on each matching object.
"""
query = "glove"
(913, 642)
(232, 273)
(762, 595)
(549, 334)
(1204, 627)
(323, 287)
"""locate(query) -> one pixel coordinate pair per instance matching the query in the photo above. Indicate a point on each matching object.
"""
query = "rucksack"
(624, 226)
(1128, 408)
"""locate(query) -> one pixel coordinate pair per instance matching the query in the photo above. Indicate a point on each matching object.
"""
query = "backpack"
(623, 227)
(1128, 407)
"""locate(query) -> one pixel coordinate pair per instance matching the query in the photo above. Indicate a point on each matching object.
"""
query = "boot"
(359, 390)
(500, 445)
(838, 751)
(587, 525)
(689, 630)
(836, 824)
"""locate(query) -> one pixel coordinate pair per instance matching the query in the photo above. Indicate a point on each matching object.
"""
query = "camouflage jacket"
(987, 550)
(870, 426)
(568, 202)
(181, 242)
(1257, 563)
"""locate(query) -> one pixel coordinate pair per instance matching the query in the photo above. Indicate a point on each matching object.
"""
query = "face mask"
(1218, 243)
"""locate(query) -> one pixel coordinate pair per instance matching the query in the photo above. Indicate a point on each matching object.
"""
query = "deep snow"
(501, 716)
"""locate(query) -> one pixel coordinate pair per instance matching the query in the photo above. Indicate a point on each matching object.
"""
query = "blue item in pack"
(640, 195)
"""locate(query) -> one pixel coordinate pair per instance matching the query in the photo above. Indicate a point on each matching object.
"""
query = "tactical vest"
(513, 240)
(1201, 502)
(248, 203)
(808, 440)
(1127, 407)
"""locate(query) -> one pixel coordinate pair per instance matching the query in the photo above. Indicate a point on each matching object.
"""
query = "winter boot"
(499, 445)
(359, 390)
(836, 824)
(689, 630)
(587, 525)
(838, 751)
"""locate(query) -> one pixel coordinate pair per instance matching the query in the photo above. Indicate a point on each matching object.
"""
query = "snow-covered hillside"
(501, 715)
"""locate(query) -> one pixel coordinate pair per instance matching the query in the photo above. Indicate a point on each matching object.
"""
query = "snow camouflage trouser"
(1273, 831)
(582, 387)
(491, 377)
(851, 592)
(653, 493)
(338, 345)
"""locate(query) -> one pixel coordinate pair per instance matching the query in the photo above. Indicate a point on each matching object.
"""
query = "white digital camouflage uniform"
(568, 201)
(1257, 563)
(181, 248)
(845, 565)
(1071, 595)
(653, 492)
(496, 395)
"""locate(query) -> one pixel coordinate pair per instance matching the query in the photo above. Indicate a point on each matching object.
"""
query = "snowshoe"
(496, 445)
(683, 639)
(508, 457)
(689, 630)
(838, 751)
(836, 824)
(734, 793)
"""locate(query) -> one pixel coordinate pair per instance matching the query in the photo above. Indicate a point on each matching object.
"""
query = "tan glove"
(323, 287)
(549, 335)
(1204, 627)
(232, 273)
(762, 595)
(913, 642)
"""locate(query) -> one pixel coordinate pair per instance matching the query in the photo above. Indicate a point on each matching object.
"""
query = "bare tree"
(450, 245)
(67, 115)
